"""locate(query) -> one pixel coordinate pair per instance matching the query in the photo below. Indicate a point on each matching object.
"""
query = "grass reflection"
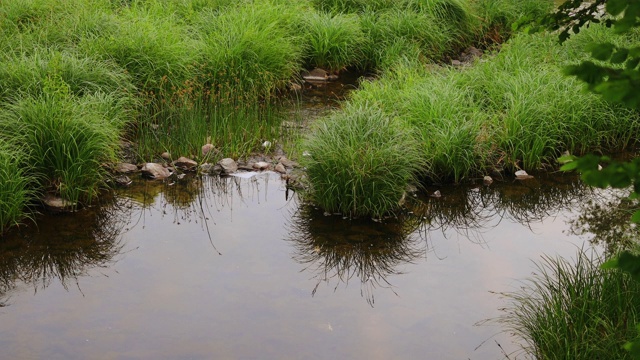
(473, 210)
(338, 251)
(62, 248)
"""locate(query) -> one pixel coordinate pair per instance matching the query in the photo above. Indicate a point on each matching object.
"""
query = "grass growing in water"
(360, 162)
(574, 310)
(334, 41)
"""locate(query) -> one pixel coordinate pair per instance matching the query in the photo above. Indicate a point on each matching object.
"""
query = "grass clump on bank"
(360, 161)
(15, 187)
(574, 310)
(67, 142)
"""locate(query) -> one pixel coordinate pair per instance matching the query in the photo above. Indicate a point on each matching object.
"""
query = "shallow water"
(234, 268)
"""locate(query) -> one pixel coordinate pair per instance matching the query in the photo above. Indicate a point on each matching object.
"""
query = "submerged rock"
(316, 74)
(229, 166)
(122, 180)
(185, 164)
(155, 171)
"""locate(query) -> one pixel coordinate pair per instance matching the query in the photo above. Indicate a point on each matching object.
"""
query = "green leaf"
(615, 7)
(620, 56)
(629, 263)
(636, 217)
(601, 51)
(565, 159)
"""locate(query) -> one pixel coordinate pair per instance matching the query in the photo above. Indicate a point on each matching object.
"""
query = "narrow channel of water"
(237, 268)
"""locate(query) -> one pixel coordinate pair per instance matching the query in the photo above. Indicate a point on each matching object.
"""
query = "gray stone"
(55, 203)
(229, 166)
(287, 163)
(316, 74)
(155, 171)
(207, 148)
(487, 180)
(261, 165)
(166, 155)
(281, 169)
(123, 180)
(522, 175)
(185, 164)
(125, 168)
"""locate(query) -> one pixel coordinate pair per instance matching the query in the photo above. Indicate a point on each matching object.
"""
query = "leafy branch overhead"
(615, 73)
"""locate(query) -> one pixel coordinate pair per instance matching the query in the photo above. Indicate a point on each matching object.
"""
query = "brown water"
(234, 268)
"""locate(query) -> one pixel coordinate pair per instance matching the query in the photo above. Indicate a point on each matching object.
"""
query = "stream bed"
(238, 268)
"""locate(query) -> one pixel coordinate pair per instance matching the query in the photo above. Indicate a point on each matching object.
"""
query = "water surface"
(233, 268)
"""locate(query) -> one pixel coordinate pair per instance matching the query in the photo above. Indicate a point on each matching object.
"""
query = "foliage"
(360, 161)
(616, 73)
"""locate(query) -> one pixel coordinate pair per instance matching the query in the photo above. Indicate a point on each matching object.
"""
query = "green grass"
(574, 310)
(360, 162)
(334, 41)
(15, 182)
(66, 140)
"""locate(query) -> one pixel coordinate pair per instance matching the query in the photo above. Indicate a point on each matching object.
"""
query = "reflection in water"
(477, 209)
(67, 247)
(338, 250)
(606, 218)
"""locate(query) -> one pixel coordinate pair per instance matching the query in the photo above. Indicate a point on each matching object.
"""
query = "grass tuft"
(574, 310)
(360, 162)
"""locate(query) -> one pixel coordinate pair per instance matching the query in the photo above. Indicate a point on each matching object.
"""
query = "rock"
(456, 62)
(280, 168)
(155, 171)
(55, 203)
(229, 166)
(207, 148)
(291, 125)
(205, 168)
(487, 180)
(295, 87)
(122, 180)
(287, 163)
(266, 144)
(261, 165)
(185, 164)
(125, 168)
(522, 175)
(166, 155)
(436, 194)
(332, 77)
(316, 74)
(470, 53)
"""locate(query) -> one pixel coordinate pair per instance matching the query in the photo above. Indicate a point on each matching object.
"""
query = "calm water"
(236, 268)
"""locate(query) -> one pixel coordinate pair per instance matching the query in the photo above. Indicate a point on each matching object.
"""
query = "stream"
(238, 268)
